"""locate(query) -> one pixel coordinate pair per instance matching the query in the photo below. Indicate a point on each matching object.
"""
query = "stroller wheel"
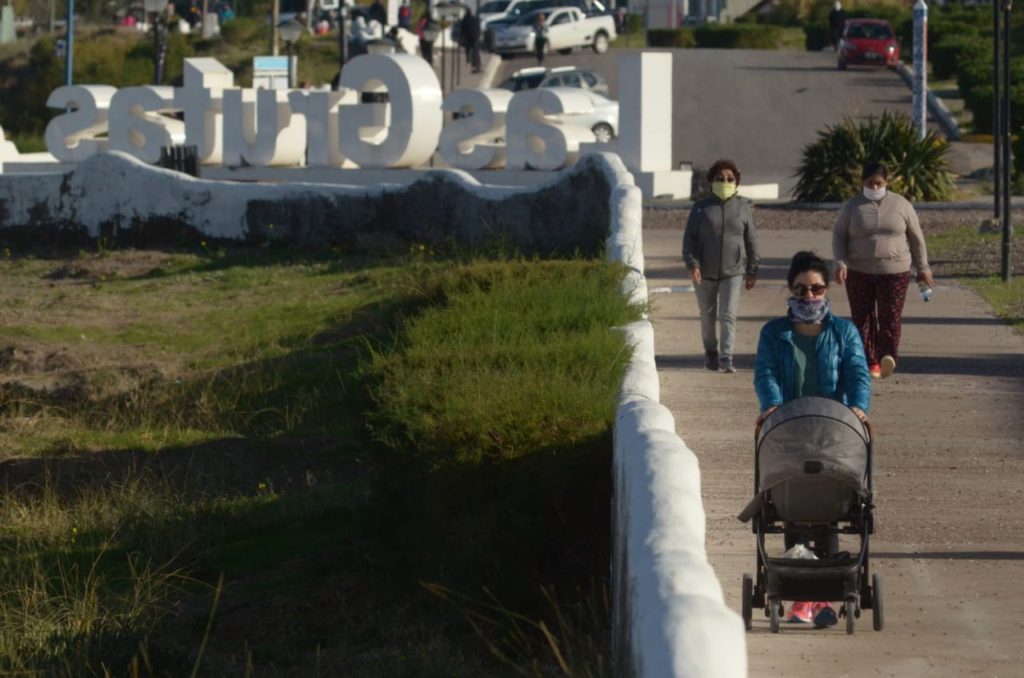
(774, 610)
(748, 602)
(851, 615)
(876, 598)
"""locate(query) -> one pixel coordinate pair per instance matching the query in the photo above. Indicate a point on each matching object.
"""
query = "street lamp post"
(448, 13)
(157, 8)
(342, 37)
(290, 32)
(69, 56)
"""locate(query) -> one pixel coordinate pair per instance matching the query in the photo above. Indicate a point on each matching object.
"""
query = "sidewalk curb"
(1016, 203)
(489, 71)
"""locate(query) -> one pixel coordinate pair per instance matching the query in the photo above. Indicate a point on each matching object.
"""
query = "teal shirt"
(805, 364)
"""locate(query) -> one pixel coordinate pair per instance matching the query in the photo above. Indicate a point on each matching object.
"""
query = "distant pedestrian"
(720, 251)
(875, 241)
(405, 15)
(470, 33)
(540, 32)
(427, 31)
(379, 14)
(836, 24)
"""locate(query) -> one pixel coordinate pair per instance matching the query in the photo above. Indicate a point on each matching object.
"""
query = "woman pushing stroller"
(811, 352)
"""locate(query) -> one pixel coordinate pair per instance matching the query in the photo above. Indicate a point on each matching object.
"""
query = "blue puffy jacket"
(842, 368)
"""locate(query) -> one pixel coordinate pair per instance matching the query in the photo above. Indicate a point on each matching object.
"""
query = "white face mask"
(875, 194)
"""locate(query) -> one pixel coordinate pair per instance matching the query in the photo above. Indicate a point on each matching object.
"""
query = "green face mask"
(723, 189)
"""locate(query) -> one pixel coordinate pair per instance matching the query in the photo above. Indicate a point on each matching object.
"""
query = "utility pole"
(997, 116)
(1005, 134)
(920, 112)
(275, 19)
(69, 58)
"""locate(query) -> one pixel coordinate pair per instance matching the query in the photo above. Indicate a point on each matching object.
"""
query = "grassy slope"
(975, 258)
(324, 433)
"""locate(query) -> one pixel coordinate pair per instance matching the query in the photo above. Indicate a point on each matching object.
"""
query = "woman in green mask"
(720, 251)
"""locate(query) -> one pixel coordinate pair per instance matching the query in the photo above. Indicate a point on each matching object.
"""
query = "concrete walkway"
(949, 475)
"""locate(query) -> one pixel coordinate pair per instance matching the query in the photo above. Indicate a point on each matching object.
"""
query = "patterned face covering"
(809, 311)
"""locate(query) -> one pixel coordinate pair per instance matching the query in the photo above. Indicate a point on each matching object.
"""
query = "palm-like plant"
(830, 170)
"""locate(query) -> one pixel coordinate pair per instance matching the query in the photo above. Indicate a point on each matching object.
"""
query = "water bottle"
(926, 291)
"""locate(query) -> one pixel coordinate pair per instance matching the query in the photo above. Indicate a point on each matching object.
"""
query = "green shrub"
(244, 29)
(24, 104)
(978, 72)
(830, 169)
(954, 49)
(671, 37)
(894, 13)
(979, 103)
(815, 36)
(634, 23)
(1018, 154)
(739, 36)
(973, 73)
(780, 14)
(943, 25)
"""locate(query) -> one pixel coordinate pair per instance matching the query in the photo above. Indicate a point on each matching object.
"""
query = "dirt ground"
(949, 466)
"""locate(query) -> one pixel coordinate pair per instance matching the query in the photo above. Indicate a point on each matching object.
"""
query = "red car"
(868, 42)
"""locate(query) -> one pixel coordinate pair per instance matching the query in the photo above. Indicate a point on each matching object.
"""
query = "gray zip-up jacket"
(720, 238)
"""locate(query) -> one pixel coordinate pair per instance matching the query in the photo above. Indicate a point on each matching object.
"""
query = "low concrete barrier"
(668, 614)
(115, 196)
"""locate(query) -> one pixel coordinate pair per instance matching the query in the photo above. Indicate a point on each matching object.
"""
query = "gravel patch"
(772, 218)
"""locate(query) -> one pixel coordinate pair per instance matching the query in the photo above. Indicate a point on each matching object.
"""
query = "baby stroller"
(812, 482)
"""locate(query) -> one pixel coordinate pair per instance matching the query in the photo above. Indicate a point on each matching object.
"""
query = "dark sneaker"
(711, 360)
(727, 365)
(824, 615)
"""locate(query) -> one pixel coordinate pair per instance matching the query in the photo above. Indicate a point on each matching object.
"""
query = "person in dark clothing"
(470, 33)
(427, 29)
(405, 15)
(720, 251)
(836, 24)
(378, 13)
(541, 39)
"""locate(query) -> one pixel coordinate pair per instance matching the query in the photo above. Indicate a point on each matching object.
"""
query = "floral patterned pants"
(876, 304)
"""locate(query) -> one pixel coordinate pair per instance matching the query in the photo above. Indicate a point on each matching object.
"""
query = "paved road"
(949, 477)
(758, 107)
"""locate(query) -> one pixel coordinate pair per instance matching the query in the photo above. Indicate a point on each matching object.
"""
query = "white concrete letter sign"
(261, 130)
(320, 109)
(71, 137)
(468, 142)
(414, 96)
(136, 126)
(536, 142)
(201, 101)
(645, 109)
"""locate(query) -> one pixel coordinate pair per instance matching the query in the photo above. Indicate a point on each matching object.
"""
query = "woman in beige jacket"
(875, 241)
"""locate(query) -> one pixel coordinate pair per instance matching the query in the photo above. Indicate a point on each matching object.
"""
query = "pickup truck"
(566, 28)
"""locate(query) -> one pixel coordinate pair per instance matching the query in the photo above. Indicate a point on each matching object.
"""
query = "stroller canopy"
(812, 436)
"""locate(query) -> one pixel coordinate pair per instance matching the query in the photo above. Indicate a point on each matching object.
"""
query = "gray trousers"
(719, 300)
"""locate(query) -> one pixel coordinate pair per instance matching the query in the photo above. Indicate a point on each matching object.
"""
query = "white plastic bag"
(800, 552)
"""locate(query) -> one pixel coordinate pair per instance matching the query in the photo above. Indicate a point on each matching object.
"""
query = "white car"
(603, 122)
(565, 28)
